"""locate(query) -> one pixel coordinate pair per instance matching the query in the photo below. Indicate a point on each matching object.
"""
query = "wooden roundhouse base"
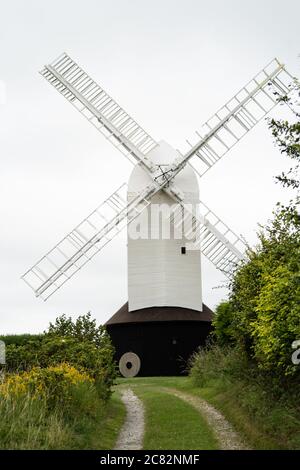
(163, 337)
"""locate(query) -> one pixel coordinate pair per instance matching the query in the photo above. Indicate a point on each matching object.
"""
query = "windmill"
(164, 318)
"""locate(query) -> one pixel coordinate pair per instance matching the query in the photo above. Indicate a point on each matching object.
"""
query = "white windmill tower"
(164, 275)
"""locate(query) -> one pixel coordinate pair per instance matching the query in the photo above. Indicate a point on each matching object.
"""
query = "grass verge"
(100, 432)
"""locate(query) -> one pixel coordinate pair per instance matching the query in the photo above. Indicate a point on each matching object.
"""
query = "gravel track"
(132, 432)
(226, 435)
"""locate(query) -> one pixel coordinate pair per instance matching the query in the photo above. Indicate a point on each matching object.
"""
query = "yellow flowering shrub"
(70, 373)
(53, 383)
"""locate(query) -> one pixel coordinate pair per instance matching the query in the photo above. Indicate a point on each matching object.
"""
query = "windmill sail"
(100, 109)
(237, 117)
(85, 240)
(207, 232)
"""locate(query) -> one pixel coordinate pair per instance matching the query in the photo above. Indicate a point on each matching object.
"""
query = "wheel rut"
(132, 432)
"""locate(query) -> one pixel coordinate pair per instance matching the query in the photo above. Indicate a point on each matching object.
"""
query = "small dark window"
(183, 251)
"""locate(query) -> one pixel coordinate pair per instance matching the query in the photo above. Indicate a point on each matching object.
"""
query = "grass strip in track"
(173, 424)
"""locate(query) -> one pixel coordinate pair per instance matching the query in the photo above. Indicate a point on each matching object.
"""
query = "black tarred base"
(163, 347)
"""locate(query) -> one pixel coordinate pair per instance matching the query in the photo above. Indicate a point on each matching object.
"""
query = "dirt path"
(227, 437)
(132, 432)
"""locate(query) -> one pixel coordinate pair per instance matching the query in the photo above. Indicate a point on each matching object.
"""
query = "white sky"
(170, 64)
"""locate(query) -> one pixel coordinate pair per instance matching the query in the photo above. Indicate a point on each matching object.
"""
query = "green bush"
(215, 363)
(223, 329)
(18, 339)
(82, 329)
(262, 317)
(277, 322)
(80, 344)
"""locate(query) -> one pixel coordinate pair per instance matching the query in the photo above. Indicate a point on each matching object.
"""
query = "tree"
(262, 317)
(82, 329)
(223, 324)
(287, 137)
(265, 294)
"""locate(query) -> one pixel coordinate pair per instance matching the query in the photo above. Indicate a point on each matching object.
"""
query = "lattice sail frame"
(99, 108)
(236, 118)
(85, 241)
(203, 229)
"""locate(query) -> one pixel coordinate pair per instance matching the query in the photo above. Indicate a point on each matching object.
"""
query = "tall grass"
(217, 363)
(62, 419)
(267, 411)
(25, 423)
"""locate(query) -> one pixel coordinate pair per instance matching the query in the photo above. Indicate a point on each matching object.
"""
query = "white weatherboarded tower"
(165, 319)
(161, 271)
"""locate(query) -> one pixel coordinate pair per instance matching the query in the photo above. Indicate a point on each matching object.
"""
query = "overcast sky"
(170, 64)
